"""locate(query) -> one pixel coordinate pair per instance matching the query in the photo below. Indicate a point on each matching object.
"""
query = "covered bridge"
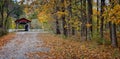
(24, 22)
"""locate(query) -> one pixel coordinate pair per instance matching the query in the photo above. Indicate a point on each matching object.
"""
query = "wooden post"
(17, 26)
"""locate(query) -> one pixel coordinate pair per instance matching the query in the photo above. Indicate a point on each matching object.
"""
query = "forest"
(78, 20)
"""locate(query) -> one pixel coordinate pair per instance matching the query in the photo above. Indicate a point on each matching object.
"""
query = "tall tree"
(69, 8)
(98, 15)
(112, 27)
(64, 23)
(57, 21)
(89, 21)
(83, 19)
(102, 18)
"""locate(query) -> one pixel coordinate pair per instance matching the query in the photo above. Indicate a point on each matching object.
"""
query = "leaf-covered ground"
(71, 49)
(6, 38)
(67, 49)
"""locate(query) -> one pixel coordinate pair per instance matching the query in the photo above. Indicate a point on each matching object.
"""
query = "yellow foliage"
(76, 23)
(43, 17)
(88, 25)
(112, 14)
(95, 12)
(65, 26)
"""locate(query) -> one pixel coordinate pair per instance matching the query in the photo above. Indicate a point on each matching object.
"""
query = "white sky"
(107, 1)
(18, 0)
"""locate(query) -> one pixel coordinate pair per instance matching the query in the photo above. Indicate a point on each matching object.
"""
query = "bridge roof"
(22, 20)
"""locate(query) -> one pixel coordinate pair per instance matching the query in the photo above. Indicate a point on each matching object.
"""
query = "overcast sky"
(107, 1)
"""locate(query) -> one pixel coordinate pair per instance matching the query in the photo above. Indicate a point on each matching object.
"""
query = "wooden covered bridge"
(23, 21)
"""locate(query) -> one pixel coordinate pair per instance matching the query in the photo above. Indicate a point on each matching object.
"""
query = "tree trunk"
(114, 37)
(57, 22)
(83, 20)
(73, 31)
(57, 27)
(97, 15)
(89, 21)
(70, 28)
(102, 18)
(110, 27)
(113, 33)
(64, 24)
(63, 20)
(2, 16)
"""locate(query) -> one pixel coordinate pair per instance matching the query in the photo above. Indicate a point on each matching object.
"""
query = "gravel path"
(23, 43)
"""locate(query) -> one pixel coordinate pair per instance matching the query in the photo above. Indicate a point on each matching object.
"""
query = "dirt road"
(23, 43)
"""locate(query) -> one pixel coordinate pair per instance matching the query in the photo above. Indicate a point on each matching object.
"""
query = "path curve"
(23, 43)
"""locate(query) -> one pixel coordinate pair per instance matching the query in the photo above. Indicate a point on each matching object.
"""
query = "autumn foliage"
(71, 49)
